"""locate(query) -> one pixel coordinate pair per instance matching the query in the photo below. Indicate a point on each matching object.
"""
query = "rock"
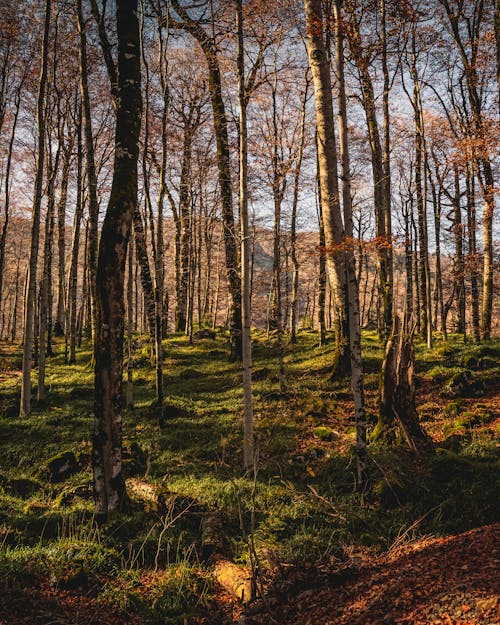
(261, 374)
(23, 487)
(325, 433)
(459, 384)
(60, 467)
(204, 333)
(190, 374)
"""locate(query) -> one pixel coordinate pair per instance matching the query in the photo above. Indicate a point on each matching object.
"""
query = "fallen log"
(236, 580)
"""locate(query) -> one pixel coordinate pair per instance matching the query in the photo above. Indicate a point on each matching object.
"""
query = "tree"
(209, 48)
(29, 305)
(248, 421)
(107, 440)
(327, 161)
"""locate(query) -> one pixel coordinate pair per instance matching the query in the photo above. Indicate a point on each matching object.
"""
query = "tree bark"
(29, 317)
(327, 159)
(352, 284)
(224, 166)
(93, 207)
(109, 484)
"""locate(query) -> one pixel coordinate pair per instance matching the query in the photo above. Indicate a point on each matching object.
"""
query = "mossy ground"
(302, 503)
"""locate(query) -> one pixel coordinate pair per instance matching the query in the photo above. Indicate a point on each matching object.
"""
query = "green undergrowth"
(301, 506)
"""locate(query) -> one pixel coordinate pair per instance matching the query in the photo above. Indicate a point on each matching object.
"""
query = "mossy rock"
(455, 442)
(487, 363)
(467, 420)
(453, 408)
(470, 362)
(36, 507)
(190, 374)
(59, 467)
(68, 495)
(204, 333)
(22, 487)
(459, 384)
(261, 373)
(428, 411)
(325, 433)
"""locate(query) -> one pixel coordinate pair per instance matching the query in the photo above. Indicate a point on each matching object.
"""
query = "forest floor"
(405, 550)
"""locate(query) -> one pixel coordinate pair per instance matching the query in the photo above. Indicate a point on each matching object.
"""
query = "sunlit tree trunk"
(327, 159)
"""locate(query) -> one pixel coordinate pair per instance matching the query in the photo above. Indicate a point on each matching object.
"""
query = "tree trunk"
(71, 306)
(472, 260)
(397, 404)
(93, 206)
(352, 284)
(107, 441)
(25, 403)
(59, 325)
(5, 225)
(248, 419)
(293, 225)
(224, 166)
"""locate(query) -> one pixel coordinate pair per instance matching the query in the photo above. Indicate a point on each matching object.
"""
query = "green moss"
(453, 408)
(324, 433)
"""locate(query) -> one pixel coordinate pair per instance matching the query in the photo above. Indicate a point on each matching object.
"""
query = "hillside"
(152, 564)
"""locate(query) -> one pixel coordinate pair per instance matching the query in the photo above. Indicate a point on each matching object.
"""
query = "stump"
(397, 399)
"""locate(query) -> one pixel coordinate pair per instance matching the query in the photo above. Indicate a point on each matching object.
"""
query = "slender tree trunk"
(248, 418)
(90, 170)
(5, 225)
(71, 307)
(109, 484)
(129, 401)
(421, 185)
(25, 402)
(352, 285)
(471, 223)
(45, 316)
(224, 167)
(322, 277)
(459, 257)
(327, 159)
(59, 326)
(293, 225)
